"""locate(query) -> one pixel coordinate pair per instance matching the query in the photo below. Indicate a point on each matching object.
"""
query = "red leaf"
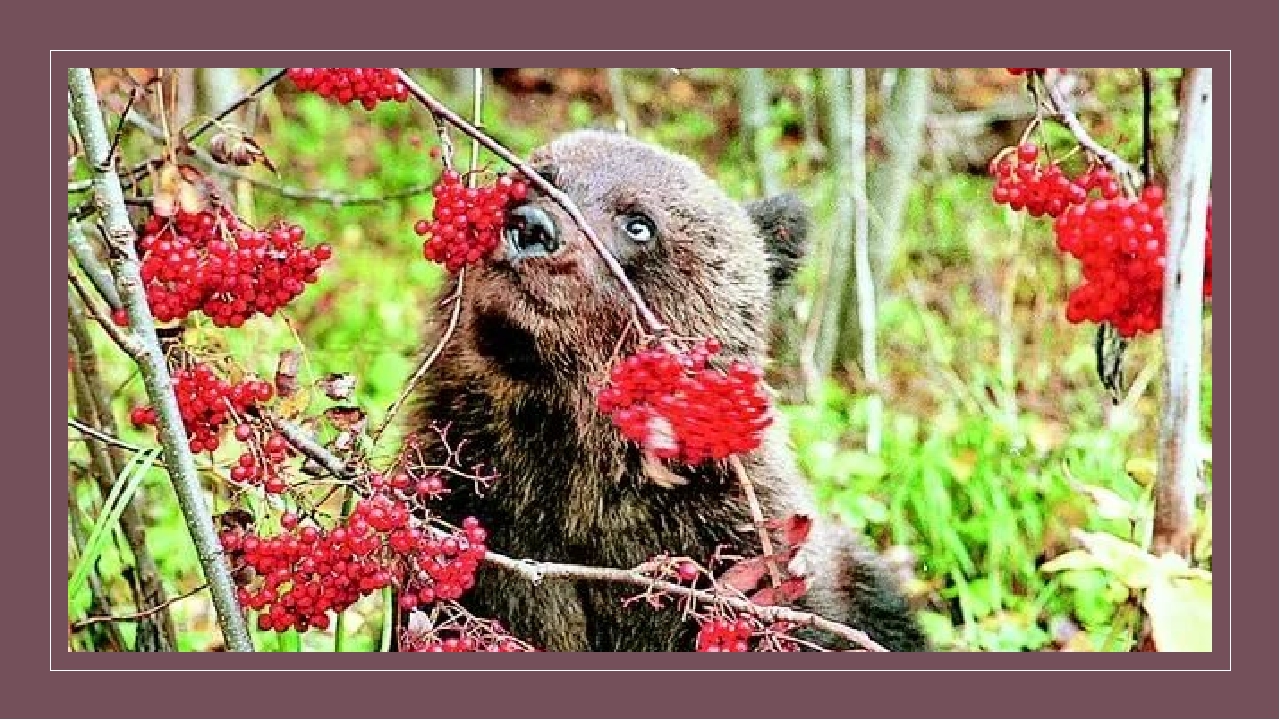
(745, 575)
(764, 597)
(797, 529)
(792, 589)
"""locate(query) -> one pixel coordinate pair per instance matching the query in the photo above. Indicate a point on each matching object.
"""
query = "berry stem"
(120, 237)
(1067, 116)
(650, 321)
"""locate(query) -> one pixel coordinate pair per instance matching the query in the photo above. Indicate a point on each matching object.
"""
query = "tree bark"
(1178, 453)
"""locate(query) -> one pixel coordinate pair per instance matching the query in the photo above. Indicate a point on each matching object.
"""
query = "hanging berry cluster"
(1120, 241)
(207, 403)
(679, 408)
(306, 570)
(1121, 245)
(210, 261)
(369, 86)
(466, 223)
(1024, 183)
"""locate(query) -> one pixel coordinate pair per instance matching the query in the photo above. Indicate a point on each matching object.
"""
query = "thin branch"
(97, 273)
(1178, 456)
(139, 615)
(122, 338)
(329, 197)
(535, 572)
(101, 436)
(271, 79)
(308, 446)
(757, 518)
(120, 238)
(1062, 108)
(650, 321)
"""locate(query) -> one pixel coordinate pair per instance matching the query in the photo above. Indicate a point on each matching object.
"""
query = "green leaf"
(1181, 612)
(121, 493)
(1129, 563)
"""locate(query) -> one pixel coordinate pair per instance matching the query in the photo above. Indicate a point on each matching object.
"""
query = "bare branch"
(1067, 116)
(122, 338)
(535, 572)
(139, 615)
(120, 238)
(757, 518)
(99, 275)
(271, 79)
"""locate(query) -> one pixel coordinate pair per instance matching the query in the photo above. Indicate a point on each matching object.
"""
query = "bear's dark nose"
(531, 232)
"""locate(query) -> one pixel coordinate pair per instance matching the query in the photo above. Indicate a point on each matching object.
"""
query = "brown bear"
(538, 330)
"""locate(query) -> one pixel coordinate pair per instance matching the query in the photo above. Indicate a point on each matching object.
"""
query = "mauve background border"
(1244, 692)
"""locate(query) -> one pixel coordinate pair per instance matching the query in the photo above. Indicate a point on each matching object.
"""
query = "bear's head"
(707, 265)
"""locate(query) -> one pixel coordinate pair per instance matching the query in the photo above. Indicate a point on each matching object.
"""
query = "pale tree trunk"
(219, 88)
(1178, 453)
(863, 274)
(755, 117)
(621, 104)
(824, 333)
(901, 130)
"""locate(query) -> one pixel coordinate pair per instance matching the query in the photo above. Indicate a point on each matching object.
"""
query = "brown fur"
(517, 382)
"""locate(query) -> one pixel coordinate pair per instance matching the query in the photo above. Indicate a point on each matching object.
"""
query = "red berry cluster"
(727, 635)
(305, 571)
(209, 261)
(248, 469)
(1044, 189)
(677, 407)
(466, 223)
(1121, 243)
(301, 574)
(1027, 184)
(206, 403)
(368, 85)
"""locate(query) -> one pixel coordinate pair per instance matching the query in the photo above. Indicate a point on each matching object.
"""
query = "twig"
(757, 518)
(535, 572)
(139, 615)
(103, 437)
(330, 197)
(99, 275)
(755, 115)
(267, 82)
(650, 321)
(120, 238)
(1062, 109)
(126, 341)
(1177, 476)
(308, 446)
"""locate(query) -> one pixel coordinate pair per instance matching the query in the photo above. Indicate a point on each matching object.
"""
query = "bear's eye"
(638, 227)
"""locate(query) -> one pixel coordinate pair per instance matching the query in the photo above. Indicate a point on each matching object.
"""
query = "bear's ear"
(783, 221)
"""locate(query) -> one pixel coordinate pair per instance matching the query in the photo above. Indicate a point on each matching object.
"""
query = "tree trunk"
(1178, 453)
